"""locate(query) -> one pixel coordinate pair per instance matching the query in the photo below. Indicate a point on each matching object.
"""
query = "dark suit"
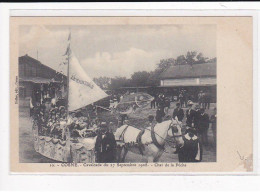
(109, 148)
(159, 115)
(189, 151)
(196, 120)
(203, 126)
(213, 120)
(179, 113)
(190, 117)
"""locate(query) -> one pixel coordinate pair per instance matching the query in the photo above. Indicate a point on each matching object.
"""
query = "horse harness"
(123, 133)
(139, 137)
(156, 143)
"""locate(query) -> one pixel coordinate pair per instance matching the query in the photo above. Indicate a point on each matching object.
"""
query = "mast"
(68, 85)
(68, 52)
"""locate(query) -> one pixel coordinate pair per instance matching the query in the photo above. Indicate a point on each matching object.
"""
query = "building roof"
(188, 71)
(26, 59)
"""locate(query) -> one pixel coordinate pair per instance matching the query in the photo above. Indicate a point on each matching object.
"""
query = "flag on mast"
(82, 90)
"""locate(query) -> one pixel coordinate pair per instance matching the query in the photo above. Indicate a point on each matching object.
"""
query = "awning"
(38, 80)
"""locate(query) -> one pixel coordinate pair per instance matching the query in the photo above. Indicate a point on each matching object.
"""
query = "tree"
(201, 58)
(139, 78)
(163, 65)
(118, 82)
(190, 57)
(181, 60)
(212, 60)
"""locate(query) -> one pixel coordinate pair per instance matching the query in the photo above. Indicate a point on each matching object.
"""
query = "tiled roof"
(188, 71)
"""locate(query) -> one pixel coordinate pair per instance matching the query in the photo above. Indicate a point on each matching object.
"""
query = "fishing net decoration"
(129, 103)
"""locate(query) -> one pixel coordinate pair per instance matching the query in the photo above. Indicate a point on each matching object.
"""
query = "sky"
(115, 50)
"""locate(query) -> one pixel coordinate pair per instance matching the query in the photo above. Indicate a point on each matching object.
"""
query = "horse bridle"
(174, 128)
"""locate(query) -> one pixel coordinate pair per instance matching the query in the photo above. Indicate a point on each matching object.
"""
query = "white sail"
(82, 90)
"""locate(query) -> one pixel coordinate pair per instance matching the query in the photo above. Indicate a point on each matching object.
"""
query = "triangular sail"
(82, 90)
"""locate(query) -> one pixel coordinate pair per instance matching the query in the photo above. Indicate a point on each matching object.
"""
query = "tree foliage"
(144, 78)
(139, 78)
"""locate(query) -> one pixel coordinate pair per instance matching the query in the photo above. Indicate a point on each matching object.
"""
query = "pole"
(68, 52)
(68, 85)
(68, 74)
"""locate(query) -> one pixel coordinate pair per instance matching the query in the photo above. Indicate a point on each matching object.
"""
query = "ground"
(138, 119)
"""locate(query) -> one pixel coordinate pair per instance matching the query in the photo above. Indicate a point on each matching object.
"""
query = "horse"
(148, 142)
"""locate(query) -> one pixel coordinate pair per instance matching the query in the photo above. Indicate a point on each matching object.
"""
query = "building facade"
(193, 79)
(37, 79)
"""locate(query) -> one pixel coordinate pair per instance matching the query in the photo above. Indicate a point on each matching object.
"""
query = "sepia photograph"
(131, 94)
(106, 94)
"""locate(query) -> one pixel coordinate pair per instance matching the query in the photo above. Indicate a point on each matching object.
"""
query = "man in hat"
(159, 115)
(153, 102)
(109, 146)
(105, 145)
(161, 101)
(197, 116)
(213, 120)
(181, 98)
(191, 151)
(98, 146)
(203, 126)
(121, 119)
(167, 105)
(178, 112)
(200, 100)
(190, 114)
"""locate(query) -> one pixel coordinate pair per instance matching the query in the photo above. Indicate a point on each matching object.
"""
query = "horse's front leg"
(124, 155)
(119, 153)
(158, 155)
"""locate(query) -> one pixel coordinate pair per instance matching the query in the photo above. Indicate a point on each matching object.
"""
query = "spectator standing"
(200, 101)
(167, 105)
(197, 114)
(178, 112)
(207, 100)
(160, 101)
(190, 114)
(185, 98)
(108, 145)
(181, 99)
(213, 120)
(203, 126)
(191, 151)
(153, 102)
(159, 114)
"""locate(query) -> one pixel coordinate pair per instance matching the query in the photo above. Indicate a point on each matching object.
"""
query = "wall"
(189, 81)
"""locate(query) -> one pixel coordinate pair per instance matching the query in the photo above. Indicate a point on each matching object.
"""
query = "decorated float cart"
(80, 150)
(82, 91)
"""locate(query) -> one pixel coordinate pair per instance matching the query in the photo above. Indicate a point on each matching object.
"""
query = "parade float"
(81, 92)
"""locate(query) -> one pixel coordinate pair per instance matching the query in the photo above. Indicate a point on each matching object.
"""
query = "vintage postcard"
(131, 94)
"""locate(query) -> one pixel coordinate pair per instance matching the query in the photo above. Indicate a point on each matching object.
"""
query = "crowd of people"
(193, 117)
(53, 121)
(183, 96)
